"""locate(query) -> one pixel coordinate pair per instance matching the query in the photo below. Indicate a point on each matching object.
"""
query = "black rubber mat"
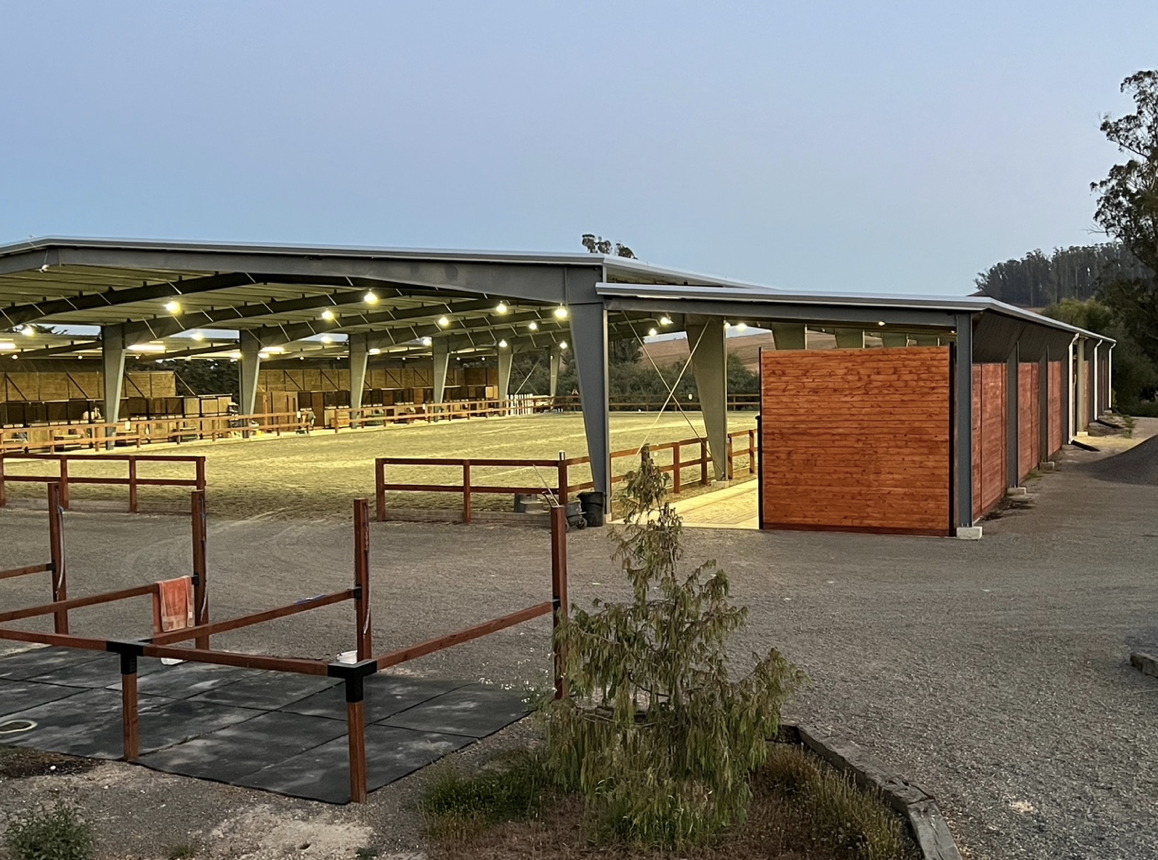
(275, 731)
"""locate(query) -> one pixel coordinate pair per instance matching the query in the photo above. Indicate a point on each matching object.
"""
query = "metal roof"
(399, 298)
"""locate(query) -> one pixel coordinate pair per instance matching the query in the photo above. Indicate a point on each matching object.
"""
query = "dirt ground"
(317, 475)
(993, 674)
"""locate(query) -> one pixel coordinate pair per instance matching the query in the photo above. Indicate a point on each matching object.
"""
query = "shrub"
(656, 735)
(51, 834)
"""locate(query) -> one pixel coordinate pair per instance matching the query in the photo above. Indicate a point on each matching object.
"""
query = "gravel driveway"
(992, 673)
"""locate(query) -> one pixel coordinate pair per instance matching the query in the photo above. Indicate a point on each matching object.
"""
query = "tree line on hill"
(1110, 288)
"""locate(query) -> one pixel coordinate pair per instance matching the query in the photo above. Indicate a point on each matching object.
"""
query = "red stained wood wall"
(1028, 420)
(1056, 418)
(856, 439)
(989, 416)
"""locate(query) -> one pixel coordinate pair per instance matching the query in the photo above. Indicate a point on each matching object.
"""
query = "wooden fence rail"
(558, 482)
(162, 645)
(66, 476)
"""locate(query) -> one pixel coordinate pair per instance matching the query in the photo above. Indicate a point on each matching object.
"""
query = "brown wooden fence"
(165, 644)
(554, 476)
(66, 466)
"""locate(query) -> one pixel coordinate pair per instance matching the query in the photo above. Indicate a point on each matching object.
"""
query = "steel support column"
(710, 367)
(359, 358)
(248, 369)
(1095, 388)
(554, 360)
(589, 340)
(113, 370)
(1043, 408)
(1013, 417)
(1068, 394)
(506, 359)
(1082, 422)
(789, 336)
(963, 415)
(1109, 376)
(441, 352)
(849, 338)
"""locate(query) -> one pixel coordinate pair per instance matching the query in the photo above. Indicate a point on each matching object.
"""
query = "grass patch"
(183, 851)
(801, 810)
(457, 806)
(50, 834)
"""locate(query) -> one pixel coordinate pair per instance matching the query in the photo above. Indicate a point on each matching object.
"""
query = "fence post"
(200, 465)
(704, 461)
(751, 452)
(559, 592)
(362, 579)
(200, 566)
(731, 460)
(129, 720)
(380, 490)
(675, 469)
(3, 488)
(132, 485)
(56, 556)
(63, 460)
(466, 491)
(564, 487)
(356, 730)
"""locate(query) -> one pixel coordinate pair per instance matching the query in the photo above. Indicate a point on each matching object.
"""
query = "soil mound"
(1139, 465)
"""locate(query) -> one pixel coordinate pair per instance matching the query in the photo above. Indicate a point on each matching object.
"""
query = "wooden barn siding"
(20, 386)
(1028, 420)
(856, 439)
(1056, 418)
(989, 414)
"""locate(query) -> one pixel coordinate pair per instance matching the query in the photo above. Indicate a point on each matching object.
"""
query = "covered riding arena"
(375, 310)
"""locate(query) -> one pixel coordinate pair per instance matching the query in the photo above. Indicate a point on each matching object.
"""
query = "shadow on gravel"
(1139, 465)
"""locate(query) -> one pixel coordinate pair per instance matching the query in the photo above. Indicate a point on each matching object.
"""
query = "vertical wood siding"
(1029, 418)
(989, 415)
(856, 439)
(1056, 418)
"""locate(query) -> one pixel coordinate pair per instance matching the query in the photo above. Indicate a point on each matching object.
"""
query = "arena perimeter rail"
(63, 477)
(562, 487)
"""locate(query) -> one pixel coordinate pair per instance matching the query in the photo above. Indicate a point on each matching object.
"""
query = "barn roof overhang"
(308, 300)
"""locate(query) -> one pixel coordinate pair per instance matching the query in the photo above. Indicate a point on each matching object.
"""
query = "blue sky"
(806, 145)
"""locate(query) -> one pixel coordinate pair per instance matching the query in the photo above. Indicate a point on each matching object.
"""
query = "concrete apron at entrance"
(732, 507)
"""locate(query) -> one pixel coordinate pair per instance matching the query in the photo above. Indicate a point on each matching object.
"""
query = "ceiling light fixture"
(501, 308)
(371, 298)
(28, 331)
(741, 326)
(560, 313)
(374, 351)
(562, 344)
(327, 314)
(665, 320)
(426, 341)
(533, 326)
(443, 322)
(173, 307)
(652, 332)
(502, 344)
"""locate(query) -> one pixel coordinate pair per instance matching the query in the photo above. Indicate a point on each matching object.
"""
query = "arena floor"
(317, 475)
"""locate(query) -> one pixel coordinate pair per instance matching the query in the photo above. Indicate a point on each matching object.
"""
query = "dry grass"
(801, 810)
(316, 476)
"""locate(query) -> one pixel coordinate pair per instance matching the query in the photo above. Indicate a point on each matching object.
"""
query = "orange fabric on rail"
(173, 604)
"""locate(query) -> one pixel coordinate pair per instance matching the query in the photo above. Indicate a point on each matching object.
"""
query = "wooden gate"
(856, 440)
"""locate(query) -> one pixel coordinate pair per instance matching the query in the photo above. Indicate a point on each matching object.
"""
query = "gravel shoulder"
(994, 673)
